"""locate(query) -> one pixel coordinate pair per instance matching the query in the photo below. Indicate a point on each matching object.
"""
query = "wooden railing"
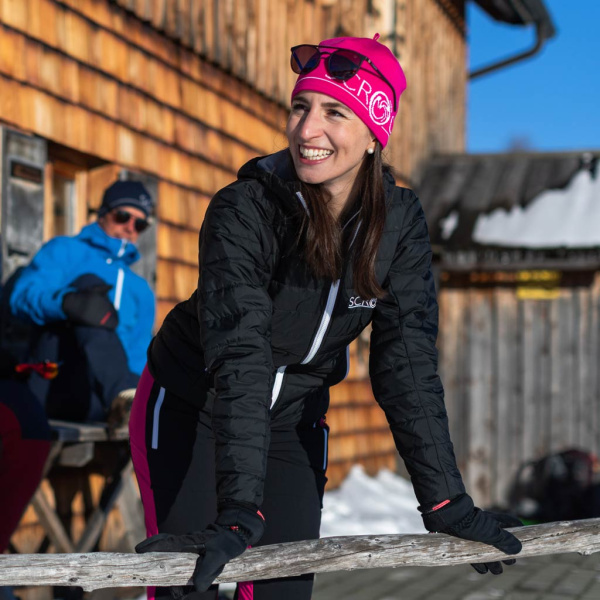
(103, 569)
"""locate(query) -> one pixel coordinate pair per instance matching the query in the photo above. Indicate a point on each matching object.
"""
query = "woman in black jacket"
(308, 247)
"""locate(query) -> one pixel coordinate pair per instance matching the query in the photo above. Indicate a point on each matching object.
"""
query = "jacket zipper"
(316, 343)
(120, 277)
(119, 289)
(277, 385)
(331, 298)
(325, 319)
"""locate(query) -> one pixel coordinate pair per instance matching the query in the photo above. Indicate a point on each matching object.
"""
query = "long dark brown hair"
(327, 239)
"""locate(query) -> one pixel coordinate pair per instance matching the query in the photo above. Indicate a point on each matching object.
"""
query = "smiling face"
(328, 143)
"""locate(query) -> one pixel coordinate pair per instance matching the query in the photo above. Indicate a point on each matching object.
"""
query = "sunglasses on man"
(341, 64)
(123, 216)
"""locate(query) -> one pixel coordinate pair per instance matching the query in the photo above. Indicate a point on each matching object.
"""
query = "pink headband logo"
(380, 108)
(377, 102)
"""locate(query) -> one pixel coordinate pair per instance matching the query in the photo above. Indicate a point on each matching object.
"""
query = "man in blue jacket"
(95, 314)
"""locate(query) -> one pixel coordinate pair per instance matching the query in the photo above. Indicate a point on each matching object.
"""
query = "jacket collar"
(276, 172)
(111, 247)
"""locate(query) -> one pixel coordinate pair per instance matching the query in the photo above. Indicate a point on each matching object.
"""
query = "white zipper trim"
(326, 450)
(333, 291)
(119, 288)
(277, 385)
(355, 234)
(157, 407)
(347, 362)
(122, 248)
(303, 201)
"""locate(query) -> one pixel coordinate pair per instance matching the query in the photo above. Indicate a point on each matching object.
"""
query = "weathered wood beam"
(104, 569)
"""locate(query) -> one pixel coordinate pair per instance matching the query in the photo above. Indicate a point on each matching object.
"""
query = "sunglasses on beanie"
(341, 64)
(122, 216)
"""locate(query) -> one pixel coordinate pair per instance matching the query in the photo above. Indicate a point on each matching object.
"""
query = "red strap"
(440, 505)
(46, 369)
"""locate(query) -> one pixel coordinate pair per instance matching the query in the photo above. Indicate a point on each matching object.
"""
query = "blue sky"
(548, 102)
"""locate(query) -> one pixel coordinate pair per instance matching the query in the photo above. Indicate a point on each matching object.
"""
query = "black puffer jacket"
(259, 343)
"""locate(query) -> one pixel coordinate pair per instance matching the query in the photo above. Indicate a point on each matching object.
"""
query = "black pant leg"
(181, 471)
(93, 369)
(292, 504)
(107, 367)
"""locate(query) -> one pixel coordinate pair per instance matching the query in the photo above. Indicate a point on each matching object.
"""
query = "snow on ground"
(365, 505)
(556, 218)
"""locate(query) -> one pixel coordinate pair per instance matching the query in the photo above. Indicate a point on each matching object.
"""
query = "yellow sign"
(531, 293)
(538, 285)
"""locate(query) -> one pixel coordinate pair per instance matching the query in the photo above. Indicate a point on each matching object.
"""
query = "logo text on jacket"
(358, 302)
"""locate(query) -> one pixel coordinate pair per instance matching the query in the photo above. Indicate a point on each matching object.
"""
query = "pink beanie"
(367, 94)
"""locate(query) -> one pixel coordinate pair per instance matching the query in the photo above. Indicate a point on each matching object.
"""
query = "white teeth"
(314, 154)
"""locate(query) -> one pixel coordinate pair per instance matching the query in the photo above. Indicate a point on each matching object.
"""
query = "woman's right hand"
(236, 528)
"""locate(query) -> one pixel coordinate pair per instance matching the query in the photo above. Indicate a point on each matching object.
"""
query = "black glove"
(91, 307)
(462, 519)
(236, 528)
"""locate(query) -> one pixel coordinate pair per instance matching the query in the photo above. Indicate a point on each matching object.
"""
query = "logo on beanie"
(380, 108)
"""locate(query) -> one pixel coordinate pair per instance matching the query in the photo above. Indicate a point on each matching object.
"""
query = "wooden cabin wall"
(92, 77)
(521, 379)
(188, 90)
(250, 39)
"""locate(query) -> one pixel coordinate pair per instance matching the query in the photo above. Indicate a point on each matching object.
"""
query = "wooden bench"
(78, 451)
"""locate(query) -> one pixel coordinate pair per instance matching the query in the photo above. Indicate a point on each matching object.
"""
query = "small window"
(61, 199)
(63, 205)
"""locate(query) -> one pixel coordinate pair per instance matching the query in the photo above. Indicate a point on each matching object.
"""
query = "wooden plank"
(252, 34)
(506, 400)
(593, 402)
(68, 431)
(51, 523)
(529, 390)
(586, 369)
(173, 243)
(14, 13)
(544, 336)
(175, 281)
(579, 376)
(463, 407)
(451, 362)
(554, 438)
(102, 569)
(481, 426)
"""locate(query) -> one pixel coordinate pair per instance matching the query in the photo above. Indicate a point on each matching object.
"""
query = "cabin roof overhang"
(520, 12)
(536, 206)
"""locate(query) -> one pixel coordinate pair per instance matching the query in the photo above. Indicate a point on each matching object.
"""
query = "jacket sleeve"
(403, 365)
(234, 310)
(39, 290)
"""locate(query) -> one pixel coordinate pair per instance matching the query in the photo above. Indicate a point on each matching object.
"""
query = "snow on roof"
(461, 191)
(567, 218)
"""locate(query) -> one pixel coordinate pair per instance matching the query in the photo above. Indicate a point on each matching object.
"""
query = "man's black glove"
(91, 307)
(462, 519)
(236, 528)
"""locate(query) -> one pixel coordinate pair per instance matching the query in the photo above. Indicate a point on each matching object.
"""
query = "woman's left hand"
(462, 519)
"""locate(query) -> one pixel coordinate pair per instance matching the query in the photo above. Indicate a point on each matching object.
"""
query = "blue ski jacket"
(38, 294)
